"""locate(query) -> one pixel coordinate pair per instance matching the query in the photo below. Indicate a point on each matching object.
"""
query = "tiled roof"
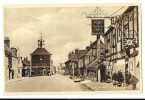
(40, 51)
(75, 56)
(81, 53)
(90, 47)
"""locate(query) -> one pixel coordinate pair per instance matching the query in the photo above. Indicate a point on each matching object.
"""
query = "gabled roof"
(73, 58)
(41, 51)
(90, 47)
(82, 52)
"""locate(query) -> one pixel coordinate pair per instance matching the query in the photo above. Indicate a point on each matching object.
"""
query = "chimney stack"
(69, 55)
(76, 51)
(7, 41)
(90, 42)
(87, 47)
(72, 52)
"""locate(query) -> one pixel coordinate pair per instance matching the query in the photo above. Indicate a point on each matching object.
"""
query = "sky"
(63, 28)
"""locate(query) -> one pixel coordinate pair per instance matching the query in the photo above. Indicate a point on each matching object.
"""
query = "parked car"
(77, 80)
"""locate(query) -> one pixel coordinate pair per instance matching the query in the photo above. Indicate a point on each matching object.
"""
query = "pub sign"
(97, 26)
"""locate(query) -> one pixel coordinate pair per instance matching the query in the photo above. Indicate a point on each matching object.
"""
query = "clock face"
(97, 27)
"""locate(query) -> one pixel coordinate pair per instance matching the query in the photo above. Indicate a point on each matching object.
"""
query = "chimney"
(90, 42)
(76, 51)
(87, 47)
(7, 42)
(69, 55)
(26, 58)
(72, 53)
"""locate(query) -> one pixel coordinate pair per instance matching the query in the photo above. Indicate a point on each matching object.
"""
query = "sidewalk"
(101, 86)
(16, 80)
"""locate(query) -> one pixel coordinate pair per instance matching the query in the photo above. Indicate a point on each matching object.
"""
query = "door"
(102, 74)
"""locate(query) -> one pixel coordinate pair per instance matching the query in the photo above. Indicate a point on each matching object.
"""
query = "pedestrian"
(134, 86)
(12, 74)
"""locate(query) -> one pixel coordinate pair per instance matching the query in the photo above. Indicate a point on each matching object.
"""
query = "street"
(54, 83)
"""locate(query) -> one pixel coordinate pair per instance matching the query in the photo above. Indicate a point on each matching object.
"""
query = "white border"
(69, 2)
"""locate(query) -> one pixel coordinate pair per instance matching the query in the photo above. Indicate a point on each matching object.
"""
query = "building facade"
(20, 67)
(13, 61)
(72, 65)
(52, 68)
(40, 60)
(121, 56)
(26, 68)
(7, 58)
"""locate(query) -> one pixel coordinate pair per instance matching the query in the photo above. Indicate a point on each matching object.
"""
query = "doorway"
(102, 74)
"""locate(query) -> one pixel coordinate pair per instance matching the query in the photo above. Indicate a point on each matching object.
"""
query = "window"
(114, 39)
(131, 34)
(120, 28)
(18, 61)
(126, 30)
(19, 71)
(116, 31)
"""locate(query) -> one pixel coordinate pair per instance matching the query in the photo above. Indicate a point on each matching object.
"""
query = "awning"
(93, 68)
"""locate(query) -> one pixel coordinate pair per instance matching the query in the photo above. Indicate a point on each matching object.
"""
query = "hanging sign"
(97, 26)
(129, 42)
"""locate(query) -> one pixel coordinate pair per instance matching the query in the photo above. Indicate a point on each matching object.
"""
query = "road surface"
(54, 83)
